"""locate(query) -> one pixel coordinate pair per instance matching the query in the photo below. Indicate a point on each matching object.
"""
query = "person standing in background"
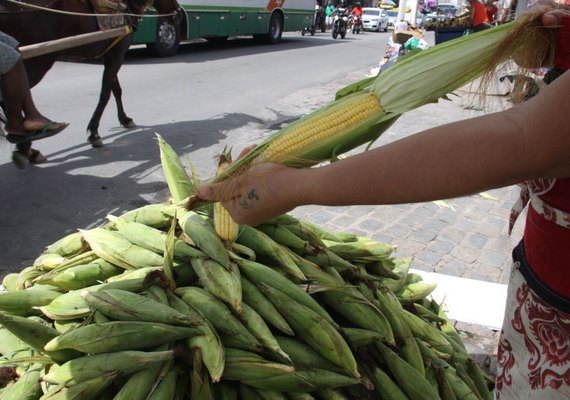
(329, 10)
(492, 10)
(478, 16)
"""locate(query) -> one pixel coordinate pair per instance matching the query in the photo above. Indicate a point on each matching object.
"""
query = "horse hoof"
(95, 141)
(20, 160)
(130, 124)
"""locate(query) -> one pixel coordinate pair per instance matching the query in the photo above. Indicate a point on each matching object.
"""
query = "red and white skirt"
(534, 346)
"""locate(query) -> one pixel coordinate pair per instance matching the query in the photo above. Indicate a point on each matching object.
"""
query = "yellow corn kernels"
(321, 127)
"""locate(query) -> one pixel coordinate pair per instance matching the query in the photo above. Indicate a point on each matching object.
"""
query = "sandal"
(44, 132)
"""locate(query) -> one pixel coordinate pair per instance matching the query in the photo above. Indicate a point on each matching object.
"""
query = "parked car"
(374, 19)
(443, 11)
(392, 18)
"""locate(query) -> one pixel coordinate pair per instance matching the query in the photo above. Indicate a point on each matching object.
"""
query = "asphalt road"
(201, 100)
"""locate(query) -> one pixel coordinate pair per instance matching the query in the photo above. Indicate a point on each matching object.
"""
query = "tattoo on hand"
(248, 203)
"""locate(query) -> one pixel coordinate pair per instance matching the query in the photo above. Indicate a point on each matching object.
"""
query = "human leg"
(22, 114)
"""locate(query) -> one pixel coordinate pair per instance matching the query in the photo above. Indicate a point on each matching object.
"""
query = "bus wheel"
(275, 30)
(167, 39)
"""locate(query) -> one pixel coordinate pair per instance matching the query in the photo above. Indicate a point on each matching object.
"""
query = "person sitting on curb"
(24, 122)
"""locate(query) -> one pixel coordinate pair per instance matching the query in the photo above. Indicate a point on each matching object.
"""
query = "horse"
(57, 19)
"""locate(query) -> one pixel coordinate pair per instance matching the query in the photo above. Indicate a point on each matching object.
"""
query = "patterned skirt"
(534, 347)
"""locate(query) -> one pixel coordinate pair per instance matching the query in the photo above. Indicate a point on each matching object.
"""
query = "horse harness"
(110, 14)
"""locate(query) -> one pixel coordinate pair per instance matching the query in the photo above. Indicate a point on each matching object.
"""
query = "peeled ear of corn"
(225, 226)
(365, 111)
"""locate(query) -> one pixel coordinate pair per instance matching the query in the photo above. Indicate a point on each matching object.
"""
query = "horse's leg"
(113, 60)
(112, 66)
(124, 119)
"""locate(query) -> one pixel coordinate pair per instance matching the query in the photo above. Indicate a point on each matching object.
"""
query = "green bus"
(220, 19)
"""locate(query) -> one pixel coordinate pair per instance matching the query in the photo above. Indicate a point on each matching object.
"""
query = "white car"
(392, 18)
(374, 19)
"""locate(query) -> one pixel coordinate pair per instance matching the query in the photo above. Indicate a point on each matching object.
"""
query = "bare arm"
(530, 140)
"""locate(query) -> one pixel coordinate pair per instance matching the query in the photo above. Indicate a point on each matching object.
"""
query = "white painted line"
(469, 300)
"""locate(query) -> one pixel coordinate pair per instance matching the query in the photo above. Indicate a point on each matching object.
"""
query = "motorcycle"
(356, 24)
(340, 23)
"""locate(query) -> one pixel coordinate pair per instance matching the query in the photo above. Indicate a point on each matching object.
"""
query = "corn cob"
(259, 273)
(313, 329)
(88, 367)
(10, 344)
(205, 237)
(303, 381)
(71, 305)
(300, 228)
(81, 276)
(177, 179)
(156, 215)
(386, 387)
(219, 315)
(304, 356)
(90, 389)
(139, 384)
(200, 385)
(36, 335)
(27, 387)
(285, 237)
(263, 245)
(129, 274)
(478, 377)
(358, 337)
(26, 302)
(126, 306)
(257, 326)
(243, 365)
(413, 383)
(158, 294)
(69, 245)
(261, 304)
(79, 259)
(152, 238)
(63, 326)
(401, 268)
(459, 387)
(224, 225)
(119, 336)
(338, 237)
(209, 344)
(10, 282)
(117, 250)
(353, 306)
(48, 261)
(405, 341)
(362, 248)
(427, 332)
(223, 283)
(166, 389)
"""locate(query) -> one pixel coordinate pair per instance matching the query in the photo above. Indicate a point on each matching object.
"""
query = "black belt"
(544, 292)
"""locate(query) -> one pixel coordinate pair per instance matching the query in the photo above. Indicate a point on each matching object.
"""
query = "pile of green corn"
(154, 305)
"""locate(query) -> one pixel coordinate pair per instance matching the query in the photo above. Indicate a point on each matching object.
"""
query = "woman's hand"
(262, 192)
